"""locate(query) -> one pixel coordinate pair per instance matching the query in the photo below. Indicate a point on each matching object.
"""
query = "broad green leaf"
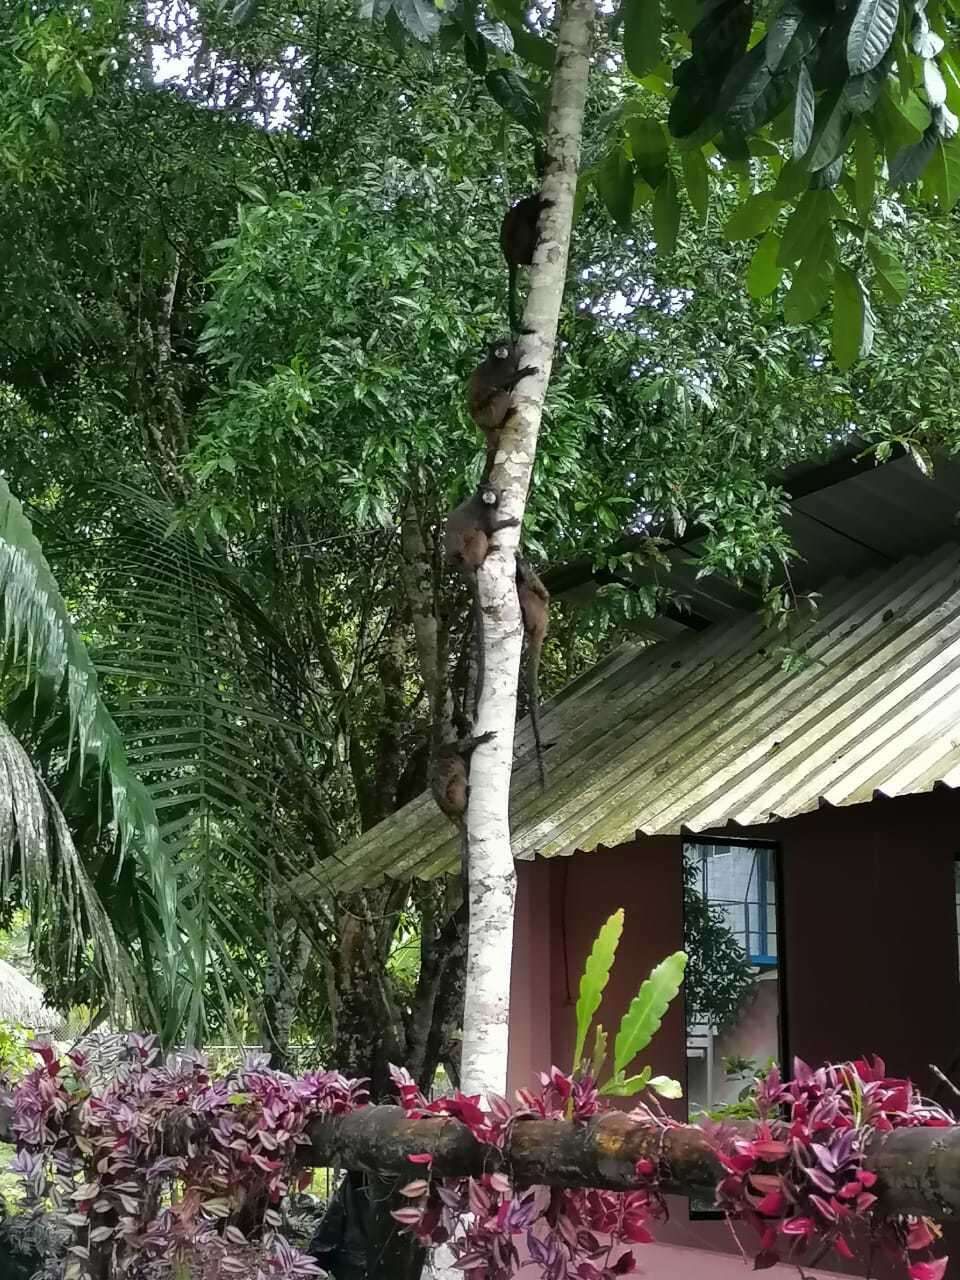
(803, 225)
(697, 180)
(847, 318)
(620, 1086)
(613, 179)
(535, 50)
(803, 113)
(764, 272)
(596, 975)
(641, 35)
(780, 33)
(755, 215)
(512, 93)
(642, 1020)
(831, 131)
(812, 280)
(865, 177)
(941, 180)
(909, 163)
(666, 1087)
(251, 191)
(420, 17)
(649, 146)
(890, 276)
(871, 31)
(666, 215)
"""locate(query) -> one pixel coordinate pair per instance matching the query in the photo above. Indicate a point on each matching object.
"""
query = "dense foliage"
(106, 1152)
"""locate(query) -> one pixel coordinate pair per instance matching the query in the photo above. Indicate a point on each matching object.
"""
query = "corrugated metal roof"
(692, 733)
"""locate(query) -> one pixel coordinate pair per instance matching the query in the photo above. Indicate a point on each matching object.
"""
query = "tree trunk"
(492, 879)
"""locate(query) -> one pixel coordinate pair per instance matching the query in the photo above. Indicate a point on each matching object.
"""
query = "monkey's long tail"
(533, 662)
(465, 859)
(512, 297)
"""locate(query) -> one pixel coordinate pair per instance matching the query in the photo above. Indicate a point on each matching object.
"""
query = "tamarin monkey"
(490, 392)
(519, 233)
(535, 612)
(449, 782)
(467, 543)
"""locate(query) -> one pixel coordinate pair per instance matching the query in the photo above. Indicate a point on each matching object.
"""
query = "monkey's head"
(501, 349)
(489, 495)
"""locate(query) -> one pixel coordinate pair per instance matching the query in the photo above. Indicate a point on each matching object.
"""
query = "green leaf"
(755, 215)
(641, 35)
(666, 1087)
(252, 192)
(666, 215)
(596, 975)
(599, 1055)
(851, 336)
(642, 1020)
(803, 113)
(420, 17)
(865, 178)
(941, 180)
(803, 225)
(890, 275)
(871, 32)
(780, 34)
(613, 179)
(620, 1086)
(764, 272)
(810, 289)
(831, 131)
(910, 162)
(649, 147)
(535, 50)
(512, 92)
(697, 179)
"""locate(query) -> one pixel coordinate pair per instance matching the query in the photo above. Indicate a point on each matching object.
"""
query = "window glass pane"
(732, 989)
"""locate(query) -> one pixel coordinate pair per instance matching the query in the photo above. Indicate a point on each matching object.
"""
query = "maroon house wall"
(869, 948)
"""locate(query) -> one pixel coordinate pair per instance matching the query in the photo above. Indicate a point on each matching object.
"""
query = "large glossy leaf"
(642, 1020)
(847, 318)
(889, 275)
(649, 146)
(803, 113)
(420, 17)
(596, 975)
(808, 294)
(666, 215)
(909, 163)
(865, 160)
(831, 131)
(513, 94)
(614, 181)
(641, 35)
(764, 272)
(871, 32)
(697, 180)
(756, 214)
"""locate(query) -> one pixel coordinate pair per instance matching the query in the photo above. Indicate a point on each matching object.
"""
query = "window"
(732, 988)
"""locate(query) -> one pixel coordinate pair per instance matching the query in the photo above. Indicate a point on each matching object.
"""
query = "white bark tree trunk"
(492, 879)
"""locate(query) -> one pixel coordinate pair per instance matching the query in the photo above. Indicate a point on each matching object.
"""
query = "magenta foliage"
(799, 1177)
(573, 1234)
(100, 1156)
(796, 1174)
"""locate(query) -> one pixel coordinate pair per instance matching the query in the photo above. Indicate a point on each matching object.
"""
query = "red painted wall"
(869, 948)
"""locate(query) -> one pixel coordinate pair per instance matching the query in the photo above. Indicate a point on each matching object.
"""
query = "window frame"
(786, 1062)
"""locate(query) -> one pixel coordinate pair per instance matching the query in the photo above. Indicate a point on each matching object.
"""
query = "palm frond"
(41, 648)
(203, 687)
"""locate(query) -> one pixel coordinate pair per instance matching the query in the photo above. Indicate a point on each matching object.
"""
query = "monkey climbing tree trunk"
(492, 881)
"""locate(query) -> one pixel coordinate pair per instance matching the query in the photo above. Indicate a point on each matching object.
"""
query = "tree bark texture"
(918, 1169)
(492, 878)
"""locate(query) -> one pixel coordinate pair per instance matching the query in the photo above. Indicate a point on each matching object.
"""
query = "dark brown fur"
(467, 542)
(449, 782)
(490, 392)
(519, 233)
(535, 612)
